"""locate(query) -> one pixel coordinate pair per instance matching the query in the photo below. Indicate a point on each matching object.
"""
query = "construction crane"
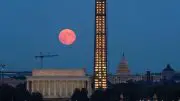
(42, 56)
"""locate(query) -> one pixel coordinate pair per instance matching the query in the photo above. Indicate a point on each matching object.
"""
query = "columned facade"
(58, 86)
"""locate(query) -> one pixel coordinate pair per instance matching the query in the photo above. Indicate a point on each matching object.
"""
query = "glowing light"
(67, 37)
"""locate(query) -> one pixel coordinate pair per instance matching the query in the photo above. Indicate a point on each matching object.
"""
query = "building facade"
(122, 73)
(58, 83)
(100, 54)
(168, 72)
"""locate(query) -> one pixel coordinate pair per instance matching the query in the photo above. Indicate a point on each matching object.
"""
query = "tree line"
(133, 92)
(117, 92)
(18, 93)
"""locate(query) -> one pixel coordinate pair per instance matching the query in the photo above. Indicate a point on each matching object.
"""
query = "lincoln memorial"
(58, 83)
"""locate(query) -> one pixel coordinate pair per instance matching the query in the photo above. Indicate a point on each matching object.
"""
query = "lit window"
(96, 84)
(103, 80)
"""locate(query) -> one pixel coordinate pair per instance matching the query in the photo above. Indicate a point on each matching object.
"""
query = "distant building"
(176, 77)
(148, 76)
(156, 77)
(58, 83)
(152, 77)
(12, 82)
(137, 77)
(168, 72)
(122, 73)
(123, 69)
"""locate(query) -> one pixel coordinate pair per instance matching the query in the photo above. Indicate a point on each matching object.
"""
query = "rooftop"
(168, 68)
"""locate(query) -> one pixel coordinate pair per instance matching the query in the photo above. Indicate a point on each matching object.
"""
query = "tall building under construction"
(100, 50)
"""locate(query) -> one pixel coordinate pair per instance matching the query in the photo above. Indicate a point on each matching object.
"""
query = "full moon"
(67, 36)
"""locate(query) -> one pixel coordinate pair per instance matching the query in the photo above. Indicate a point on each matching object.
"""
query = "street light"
(2, 68)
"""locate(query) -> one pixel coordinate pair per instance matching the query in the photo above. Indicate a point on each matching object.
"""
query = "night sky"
(147, 31)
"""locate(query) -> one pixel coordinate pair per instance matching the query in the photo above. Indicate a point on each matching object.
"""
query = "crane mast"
(42, 56)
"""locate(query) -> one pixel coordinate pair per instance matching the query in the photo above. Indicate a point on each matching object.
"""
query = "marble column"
(66, 88)
(77, 84)
(43, 87)
(72, 88)
(60, 88)
(80, 84)
(55, 87)
(83, 85)
(32, 84)
(49, 87)
(27, 85)
(89, 87)
(38, 89)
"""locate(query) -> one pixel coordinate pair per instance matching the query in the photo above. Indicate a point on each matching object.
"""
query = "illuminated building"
(100, 54)
(58, 83)
(122, 72)
(123, 67)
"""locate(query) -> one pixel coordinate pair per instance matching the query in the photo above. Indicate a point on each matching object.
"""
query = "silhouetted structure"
(42, 56)
(168, 72)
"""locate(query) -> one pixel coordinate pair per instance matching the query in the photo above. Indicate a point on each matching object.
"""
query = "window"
(96, 85)
(103, 80)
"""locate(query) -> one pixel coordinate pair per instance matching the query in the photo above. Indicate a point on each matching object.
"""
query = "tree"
(36, 96)
(21, 93)
(6, 92)
(76, 95)
(84, 95)
(98, 95)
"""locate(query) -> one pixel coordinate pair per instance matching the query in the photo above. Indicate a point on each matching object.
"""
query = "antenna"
(42, 56)
(2, 68)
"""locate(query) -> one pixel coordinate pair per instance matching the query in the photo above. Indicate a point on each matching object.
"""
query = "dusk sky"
(147, 31)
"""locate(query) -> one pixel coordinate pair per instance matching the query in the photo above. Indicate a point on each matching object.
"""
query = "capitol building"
(123, 74)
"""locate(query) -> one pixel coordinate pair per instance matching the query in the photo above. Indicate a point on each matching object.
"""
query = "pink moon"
(67, 36)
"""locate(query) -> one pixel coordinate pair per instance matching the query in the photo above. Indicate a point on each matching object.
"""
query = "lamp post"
(2, 76)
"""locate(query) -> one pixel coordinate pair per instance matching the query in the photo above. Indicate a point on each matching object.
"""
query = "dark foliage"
(131, 92)
(84, 95)
(98, 95)
(137, 91)
(36, 96)
(21, 93)
(6, 92)
(80, 95)
(76, 95)
(18, 93)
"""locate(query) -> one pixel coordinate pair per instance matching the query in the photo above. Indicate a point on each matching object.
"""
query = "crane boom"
(42, 56)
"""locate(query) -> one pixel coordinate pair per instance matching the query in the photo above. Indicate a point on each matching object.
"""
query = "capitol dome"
(123, 67)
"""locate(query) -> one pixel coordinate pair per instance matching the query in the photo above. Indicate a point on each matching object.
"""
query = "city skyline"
(146, 31)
